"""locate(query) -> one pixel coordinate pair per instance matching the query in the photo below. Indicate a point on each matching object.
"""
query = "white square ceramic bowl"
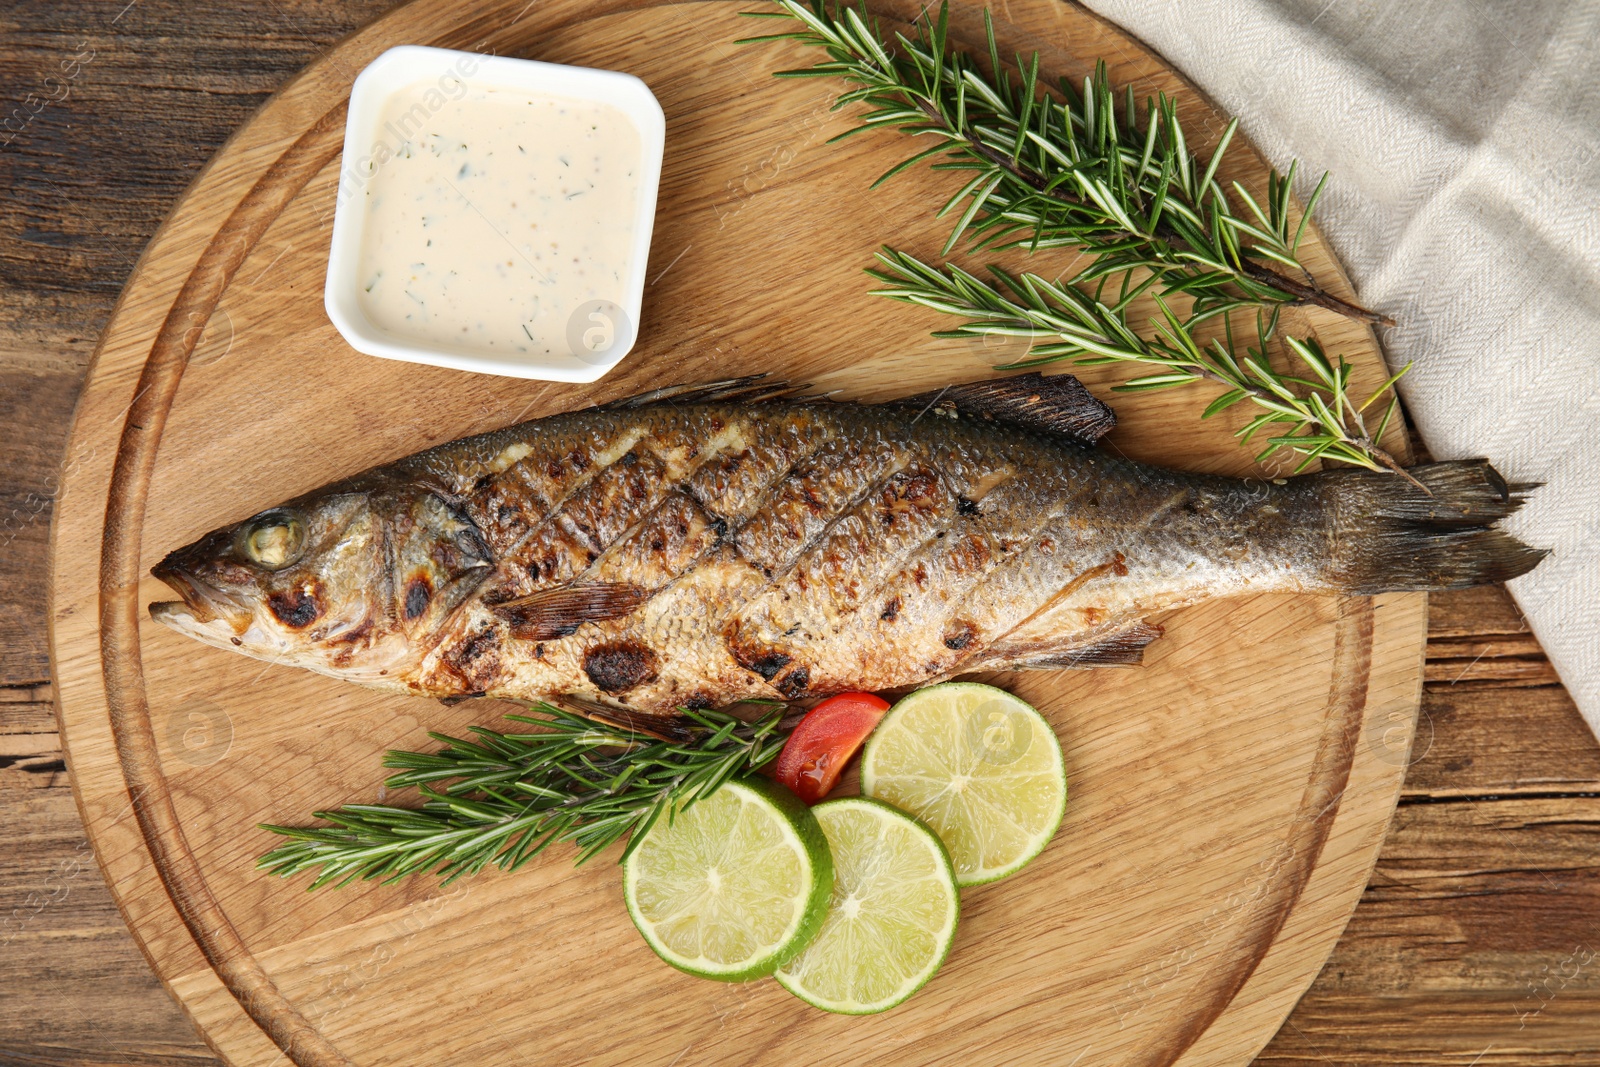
(408, 65)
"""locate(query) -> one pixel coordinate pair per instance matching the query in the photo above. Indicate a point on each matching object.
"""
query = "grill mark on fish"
(1025, 559)
(763, 497)
(699, 459)
(851, 561)
(729, 534)
(960, 562)
(762, 653)
(714, 624)
(727, 485)
(766, 662)
(297, 608)
(806, 504)
(889, 573)
(733, 631)
(786, 566)
(631, 436)
(711, 451)
(513, 502)
(553, 557)
(960, 635)
(612, 499)
(680, 537)
(793, 685)
(570, 541)
(585, 536)
(418, 595)
(620, 666)
(960, 585)
(596, 543)
(476, 659)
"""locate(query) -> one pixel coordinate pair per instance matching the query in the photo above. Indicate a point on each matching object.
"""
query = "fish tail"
(1432, 531)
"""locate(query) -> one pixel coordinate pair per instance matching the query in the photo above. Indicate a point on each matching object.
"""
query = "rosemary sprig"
(1068, 169)
(503, 798)
(1324, 420)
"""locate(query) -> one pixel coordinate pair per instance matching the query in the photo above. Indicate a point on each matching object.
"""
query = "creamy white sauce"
(492, 218)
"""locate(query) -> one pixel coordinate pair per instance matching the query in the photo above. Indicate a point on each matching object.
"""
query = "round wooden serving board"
(1228, 798)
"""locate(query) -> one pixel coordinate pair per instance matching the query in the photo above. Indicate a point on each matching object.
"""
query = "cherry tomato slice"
(823, 743)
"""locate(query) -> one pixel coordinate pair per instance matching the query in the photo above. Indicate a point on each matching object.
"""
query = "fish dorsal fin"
(551, 613)
(1057, 403)
(751, 389)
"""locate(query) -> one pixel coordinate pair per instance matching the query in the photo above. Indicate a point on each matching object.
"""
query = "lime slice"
(893, 913)
(735, 885)
(979, 766)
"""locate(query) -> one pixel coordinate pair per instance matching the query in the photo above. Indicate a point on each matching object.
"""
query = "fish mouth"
(202, 603)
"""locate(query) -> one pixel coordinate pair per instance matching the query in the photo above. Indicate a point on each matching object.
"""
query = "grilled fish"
(701, 546)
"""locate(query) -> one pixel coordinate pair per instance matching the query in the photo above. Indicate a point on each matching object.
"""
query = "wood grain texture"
(1476, 939)
(1557, 728)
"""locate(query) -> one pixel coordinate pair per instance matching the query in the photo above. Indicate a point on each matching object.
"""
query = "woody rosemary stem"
(1310, 294)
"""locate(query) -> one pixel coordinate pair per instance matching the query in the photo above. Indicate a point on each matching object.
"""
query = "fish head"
(349, 582)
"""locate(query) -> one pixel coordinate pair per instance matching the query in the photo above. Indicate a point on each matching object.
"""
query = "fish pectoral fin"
(1057, 403)
(1123, 648)
(551, 613)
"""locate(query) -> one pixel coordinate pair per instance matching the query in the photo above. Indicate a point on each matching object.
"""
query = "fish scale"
(687, 548)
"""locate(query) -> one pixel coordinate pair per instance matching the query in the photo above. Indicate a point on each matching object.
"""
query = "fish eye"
(273, 539)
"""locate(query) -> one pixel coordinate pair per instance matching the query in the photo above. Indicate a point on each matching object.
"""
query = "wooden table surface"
(1476, 943)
